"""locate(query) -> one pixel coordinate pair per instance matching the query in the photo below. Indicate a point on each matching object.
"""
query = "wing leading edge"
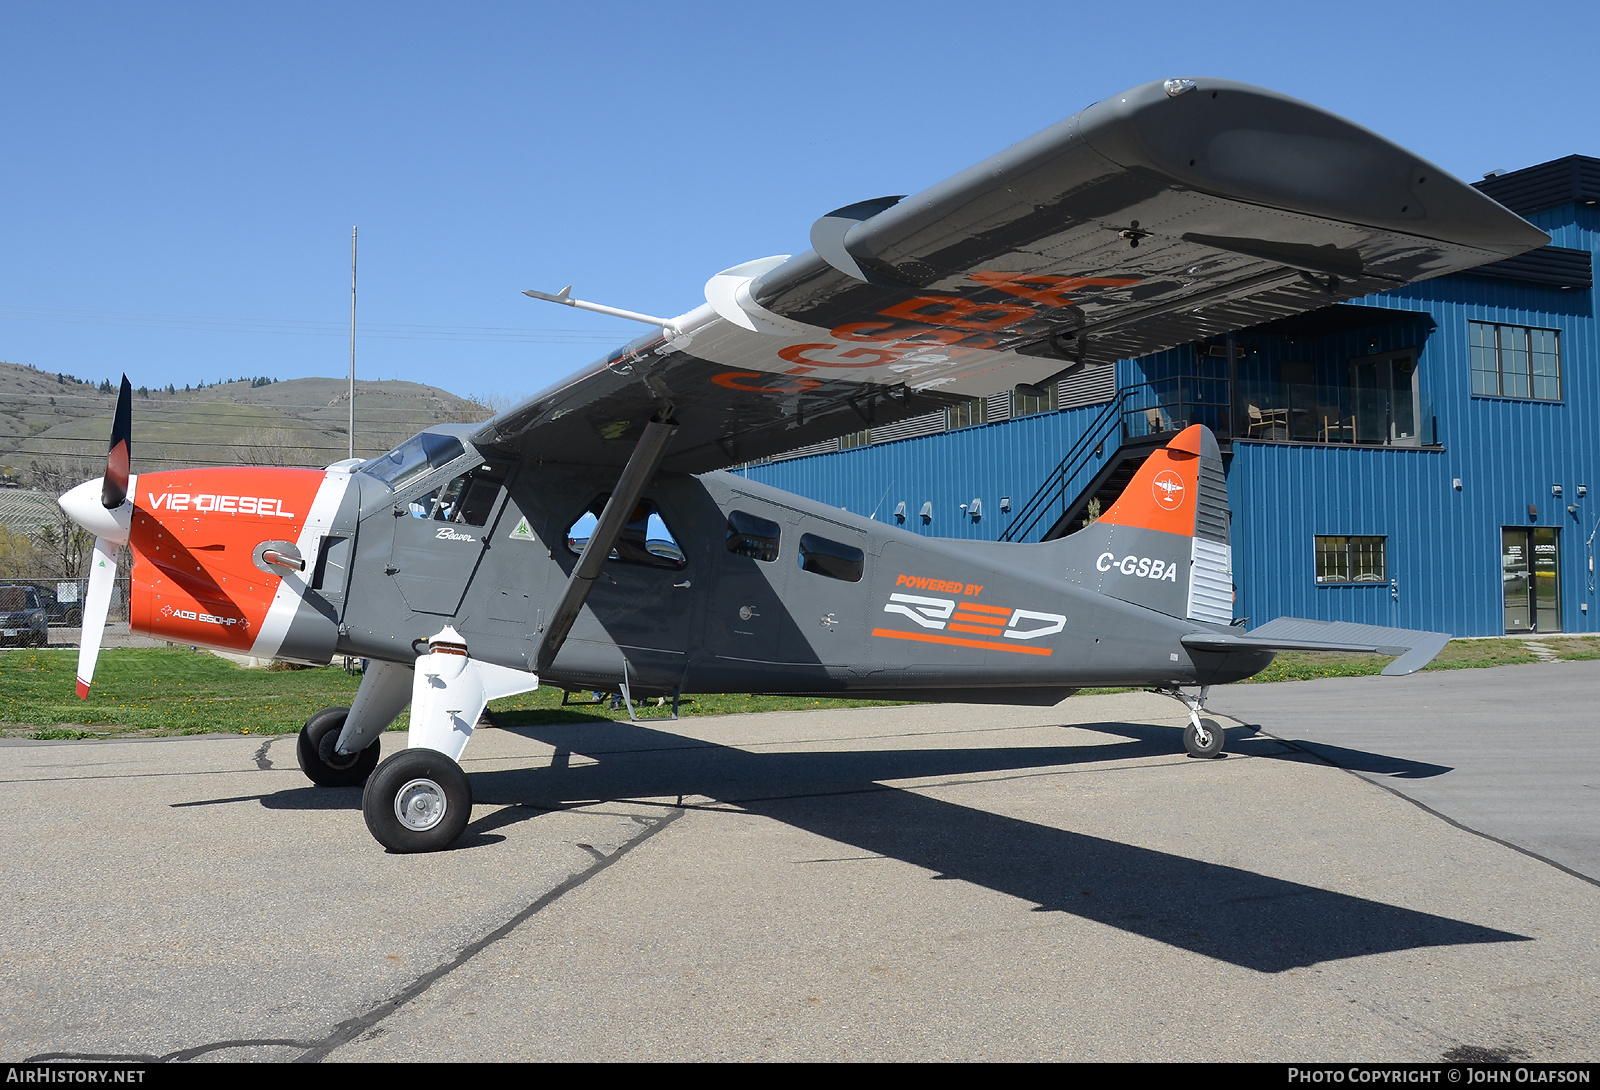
(1173, 212)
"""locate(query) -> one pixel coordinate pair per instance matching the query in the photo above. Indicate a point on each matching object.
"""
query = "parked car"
(61, 600)
(23, 620)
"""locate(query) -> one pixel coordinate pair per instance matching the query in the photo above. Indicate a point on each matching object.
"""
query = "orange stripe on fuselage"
(957, 641)
(1004, 611)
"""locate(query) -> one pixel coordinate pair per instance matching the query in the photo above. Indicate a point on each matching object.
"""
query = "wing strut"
(636, 476)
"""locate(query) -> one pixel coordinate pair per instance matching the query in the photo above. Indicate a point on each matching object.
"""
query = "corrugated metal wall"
(1443, 544)
(988, 462)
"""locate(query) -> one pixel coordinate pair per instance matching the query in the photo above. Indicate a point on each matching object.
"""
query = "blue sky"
(179, 181)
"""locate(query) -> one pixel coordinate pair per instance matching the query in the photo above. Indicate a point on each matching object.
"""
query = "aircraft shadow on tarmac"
(1234, 915)
(1251, 920)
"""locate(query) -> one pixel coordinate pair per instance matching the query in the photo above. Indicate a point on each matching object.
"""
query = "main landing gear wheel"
(418, 800)
(1207, 744)
(325, 765)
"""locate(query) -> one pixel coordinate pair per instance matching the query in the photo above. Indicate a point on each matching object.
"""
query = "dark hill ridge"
(47, 418)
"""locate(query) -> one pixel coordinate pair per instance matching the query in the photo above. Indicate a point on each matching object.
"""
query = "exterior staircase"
(1106, 455)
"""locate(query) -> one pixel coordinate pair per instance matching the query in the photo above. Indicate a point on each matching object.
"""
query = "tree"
(64, 545)
(19, 557)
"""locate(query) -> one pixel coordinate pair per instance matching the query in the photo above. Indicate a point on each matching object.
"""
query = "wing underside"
(1162, 216)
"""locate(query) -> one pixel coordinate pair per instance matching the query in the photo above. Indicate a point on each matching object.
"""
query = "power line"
(213, 323)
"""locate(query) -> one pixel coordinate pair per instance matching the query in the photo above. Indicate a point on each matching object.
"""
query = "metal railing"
(1338, 415)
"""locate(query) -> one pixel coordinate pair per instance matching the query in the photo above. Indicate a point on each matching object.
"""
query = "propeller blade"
(114, 488)
(102, 575)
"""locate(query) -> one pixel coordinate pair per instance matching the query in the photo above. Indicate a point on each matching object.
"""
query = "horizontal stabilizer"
(1415, 647)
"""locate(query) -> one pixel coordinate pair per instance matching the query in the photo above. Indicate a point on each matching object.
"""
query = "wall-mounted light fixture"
(1583, 490)
(975, 509)
(1005, 501)
(1555, 490)
(900, 511)
(927, 512)
(1456, 484)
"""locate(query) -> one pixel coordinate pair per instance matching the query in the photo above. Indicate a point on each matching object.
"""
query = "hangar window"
(1352, 560)
(644, 540)
(1515, 361)
(1028, 404)
(967, 414)
(831, 558)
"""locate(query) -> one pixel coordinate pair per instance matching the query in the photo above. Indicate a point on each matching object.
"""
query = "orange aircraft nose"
(212, 549)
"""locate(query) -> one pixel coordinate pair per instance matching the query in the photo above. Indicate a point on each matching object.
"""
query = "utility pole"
(352, 432)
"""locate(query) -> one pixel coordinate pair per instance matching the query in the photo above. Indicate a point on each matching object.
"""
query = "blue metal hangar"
(1428, 457)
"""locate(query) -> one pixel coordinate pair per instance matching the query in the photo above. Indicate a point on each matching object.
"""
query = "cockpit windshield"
(418, 454)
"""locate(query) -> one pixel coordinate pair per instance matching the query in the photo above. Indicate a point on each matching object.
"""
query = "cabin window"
(831, 558)
(751, 536)
(1352, 560)
(1515, 361)
(645, 540)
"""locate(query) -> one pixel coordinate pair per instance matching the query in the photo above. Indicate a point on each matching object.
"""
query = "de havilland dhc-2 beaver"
(587, 538)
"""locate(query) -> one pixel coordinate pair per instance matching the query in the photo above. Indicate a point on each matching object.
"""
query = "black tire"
(321, 763)
(74, 618)
(418, 800)
(1214, 743)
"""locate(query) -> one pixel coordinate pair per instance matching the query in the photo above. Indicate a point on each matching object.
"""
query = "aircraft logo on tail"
(1168, 489)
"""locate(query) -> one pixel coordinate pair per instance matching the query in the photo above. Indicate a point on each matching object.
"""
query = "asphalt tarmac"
(921, 882)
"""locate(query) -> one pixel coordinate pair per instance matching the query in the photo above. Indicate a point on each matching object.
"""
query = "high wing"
(1176, 211)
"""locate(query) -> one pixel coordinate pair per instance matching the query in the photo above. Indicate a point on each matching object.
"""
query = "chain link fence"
(61, 602)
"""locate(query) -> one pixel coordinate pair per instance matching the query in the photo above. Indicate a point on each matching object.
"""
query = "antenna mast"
(352, 431)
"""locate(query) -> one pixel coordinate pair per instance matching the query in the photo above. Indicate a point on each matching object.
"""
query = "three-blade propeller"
(109, 516)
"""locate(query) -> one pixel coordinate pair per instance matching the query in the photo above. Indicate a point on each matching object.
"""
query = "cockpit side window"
(646, 539)
(418, 454)
(468, 499)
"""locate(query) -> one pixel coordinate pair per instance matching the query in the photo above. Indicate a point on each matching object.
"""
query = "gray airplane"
(588, 539)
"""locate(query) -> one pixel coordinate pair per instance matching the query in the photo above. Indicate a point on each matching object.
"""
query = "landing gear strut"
(325, 765)
(1202, 737)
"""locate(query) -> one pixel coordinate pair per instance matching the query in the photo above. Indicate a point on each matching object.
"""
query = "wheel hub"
(420, 805)
(328, 750)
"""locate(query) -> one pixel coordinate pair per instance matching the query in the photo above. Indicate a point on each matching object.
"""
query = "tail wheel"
(325, 765)
(418, 800)
(1206, 744)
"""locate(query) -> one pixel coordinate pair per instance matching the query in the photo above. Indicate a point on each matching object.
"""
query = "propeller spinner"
(109, 516)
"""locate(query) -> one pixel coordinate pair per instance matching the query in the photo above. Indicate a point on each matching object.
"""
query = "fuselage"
(722, 584)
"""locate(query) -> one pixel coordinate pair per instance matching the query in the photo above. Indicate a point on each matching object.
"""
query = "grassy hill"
(55, 419)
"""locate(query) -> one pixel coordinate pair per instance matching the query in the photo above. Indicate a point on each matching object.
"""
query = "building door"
(1530, 574)
(1385, 406)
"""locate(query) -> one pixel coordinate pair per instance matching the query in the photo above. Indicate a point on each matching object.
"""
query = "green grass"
(160, 692)
(163, 692)
(1457, 655)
